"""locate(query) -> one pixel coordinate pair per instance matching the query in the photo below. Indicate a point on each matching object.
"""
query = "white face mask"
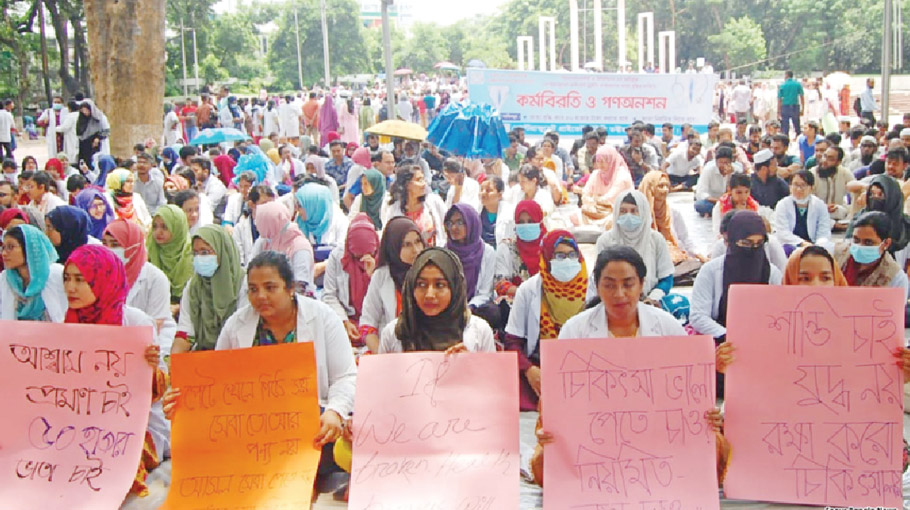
(802, 201)
(120, 252)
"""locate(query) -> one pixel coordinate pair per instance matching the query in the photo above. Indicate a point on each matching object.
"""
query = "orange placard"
(243, 431)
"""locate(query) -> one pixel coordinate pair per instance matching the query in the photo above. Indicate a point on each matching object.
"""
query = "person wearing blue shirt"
(807, 141)
(338, 165)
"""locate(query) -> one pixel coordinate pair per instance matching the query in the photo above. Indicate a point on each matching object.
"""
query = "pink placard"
(76, 407)
(628, 419)
(436, 432)
(814, 396)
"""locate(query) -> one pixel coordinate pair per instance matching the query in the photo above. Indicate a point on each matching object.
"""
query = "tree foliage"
(740, 45)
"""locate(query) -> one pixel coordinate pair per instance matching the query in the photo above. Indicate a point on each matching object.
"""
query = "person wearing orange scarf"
(655, 186)
(738, 196)
(813, 265)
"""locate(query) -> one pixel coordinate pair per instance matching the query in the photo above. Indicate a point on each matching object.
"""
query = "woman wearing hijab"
(169, 159)
(211, 296)
(68, 229)
(401, 243)
(224, 164)
(610, 178)
(667, 221)
(169, 248)
(277, 232)
(884, 195)
(10, 218)
(347, 274)
(98, 208)
(372, 197)
(31, 285)
(318, 218)
(517, 262)
(150, 290)
(315, 165)
(813, 266)
(328, 119)
(632, 227)
(91, 132)
(106, 165)
(542, 305)
(127, 204)
(348, 123)
(478, 259)
(96, 289)
(434, 310)
(865, 257)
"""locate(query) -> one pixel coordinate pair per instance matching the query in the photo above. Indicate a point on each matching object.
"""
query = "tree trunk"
(70, 86)
(127, 56)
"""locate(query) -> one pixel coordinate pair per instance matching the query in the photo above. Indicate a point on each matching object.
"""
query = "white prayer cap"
(905, 132)
(762, 156)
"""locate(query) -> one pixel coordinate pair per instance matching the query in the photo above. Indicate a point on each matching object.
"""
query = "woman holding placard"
(277, 314)
(31, 286)
(96, 288)
(813, 266)
(434, 310)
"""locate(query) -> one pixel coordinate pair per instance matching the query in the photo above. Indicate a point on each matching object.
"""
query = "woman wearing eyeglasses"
(802, 218)
(744, 262)
(463, 230)
(542, 305)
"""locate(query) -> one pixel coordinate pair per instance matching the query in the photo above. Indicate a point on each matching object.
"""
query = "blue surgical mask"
(864, 254)
(205, 265)
(629, 222)
(565, 270)
(58, 106)
(528, 232)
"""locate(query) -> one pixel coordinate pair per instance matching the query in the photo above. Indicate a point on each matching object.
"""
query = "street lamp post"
(299, 58)
(387, 48)
(325, 46)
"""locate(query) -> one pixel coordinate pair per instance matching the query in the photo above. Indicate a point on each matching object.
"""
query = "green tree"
(740, 44)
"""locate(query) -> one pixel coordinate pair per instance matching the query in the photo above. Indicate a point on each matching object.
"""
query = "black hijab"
(893, 205)
(743, 265)
(418, 332)
(390, 247)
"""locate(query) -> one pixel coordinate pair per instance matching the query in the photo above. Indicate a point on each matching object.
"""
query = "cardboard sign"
(628, 420)
(436, 432)
(815, 396)
(242, 434)
(76, 407)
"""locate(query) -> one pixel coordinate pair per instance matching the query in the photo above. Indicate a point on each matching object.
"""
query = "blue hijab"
(73, 224)
(39, 255)
(85, 200)
(253, 161)
(316, 200)
(172, 155)
(105, 164)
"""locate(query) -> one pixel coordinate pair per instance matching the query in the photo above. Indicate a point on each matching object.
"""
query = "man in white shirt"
(713, 181)
(7, 123)
(684, 165)
(289, 120)
(149, 182)
(403, 109)
(206, 182)
(38, 191)
(462, 189)
(741, 100)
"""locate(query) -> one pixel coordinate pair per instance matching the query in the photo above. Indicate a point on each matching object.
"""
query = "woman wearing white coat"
(618, 311)
(434, 310)
(277, 314)
(410, 198)
(67, 126)
(50, 119)
(802, 218)
(347, 274)
(401, 243)
(31, 286)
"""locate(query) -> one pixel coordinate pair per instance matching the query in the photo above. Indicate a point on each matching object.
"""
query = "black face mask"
(876, 204)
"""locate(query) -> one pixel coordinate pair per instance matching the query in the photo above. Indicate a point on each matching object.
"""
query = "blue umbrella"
(470, 130)
(218, 135)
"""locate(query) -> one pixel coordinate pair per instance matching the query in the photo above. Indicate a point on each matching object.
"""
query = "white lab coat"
(55, 302)
(592, 323)
(270, 122)
(289, 120)
(706, 294)
(336, 233)
(435, 206)
(70, 138)
(336, 371)
(151, 293)
(477, 337)
(302, 263)
(233, 209)
(379, 304)
(336, 285)
(358, 201)
(524, 319)
(50, 116)
(470, 194)
(243, 238)
(483, 293)
(818, 221)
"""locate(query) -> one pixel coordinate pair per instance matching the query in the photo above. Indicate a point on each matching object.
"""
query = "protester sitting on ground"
(373, 198)
(68, 228)
(100, 212)
(278, 233)
(669, 221)
(39, 191)
(170, 250)
(401, 243)
(618, 312)
(434, 310)
(813, 266)
(831, 181)
(195, 207)
(462, 189)
(773, 249)
(518, 261)
(410, 197)
(495, 214)
(127, 204)
(767, 188)
(610, 178)
(632, 227)
(277, 315)
(321, 221)
(546, 177)
(245, 233)
(712, 183)
(478, 260)
(802, 219)
(235, 201)
(684, 165)
(211, 294)
(31, 284)
(96, 289)
(348, 272)
(737, 197)
(820, 147)
(533, 186)
(542, 305)
(865, 257)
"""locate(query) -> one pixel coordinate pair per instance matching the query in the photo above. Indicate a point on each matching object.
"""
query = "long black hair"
(617, 253)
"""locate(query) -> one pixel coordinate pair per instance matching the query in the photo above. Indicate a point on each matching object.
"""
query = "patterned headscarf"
(560, 301)
(104, 273)
(130, 236)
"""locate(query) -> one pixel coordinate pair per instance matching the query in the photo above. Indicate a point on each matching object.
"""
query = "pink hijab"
(362, 157)
(612, 176)
(273, 220)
